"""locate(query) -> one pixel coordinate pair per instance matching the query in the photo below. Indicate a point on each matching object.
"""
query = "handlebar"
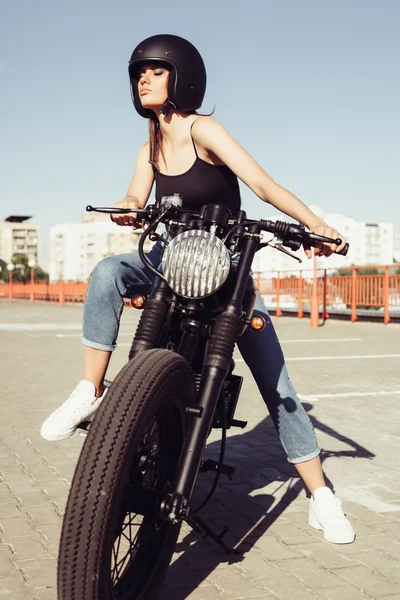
(292, 235)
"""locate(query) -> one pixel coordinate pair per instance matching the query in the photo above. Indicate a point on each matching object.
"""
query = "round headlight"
(195, 263)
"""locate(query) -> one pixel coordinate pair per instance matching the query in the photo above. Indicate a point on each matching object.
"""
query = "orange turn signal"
(138, 301)
(258, 323)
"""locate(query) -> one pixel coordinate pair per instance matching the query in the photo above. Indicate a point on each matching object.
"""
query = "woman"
(194, 156)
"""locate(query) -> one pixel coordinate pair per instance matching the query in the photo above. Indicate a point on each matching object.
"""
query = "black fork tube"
(150, 330)
(215, 369)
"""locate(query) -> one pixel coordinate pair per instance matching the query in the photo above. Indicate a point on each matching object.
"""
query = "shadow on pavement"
(246, 514)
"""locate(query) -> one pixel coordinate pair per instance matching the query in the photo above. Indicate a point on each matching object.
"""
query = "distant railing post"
(353, 294)
(32, 295)
(300, 313)
(314, 320)
(61, 294)
(10, 283)
(278, 292)
(324, 294)
(10, 268)
(386, 317)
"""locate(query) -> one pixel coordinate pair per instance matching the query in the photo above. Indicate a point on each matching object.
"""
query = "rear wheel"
(115, 544)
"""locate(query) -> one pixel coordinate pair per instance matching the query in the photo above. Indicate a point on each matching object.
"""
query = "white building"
(370, 244)
(18, 237)
(396, 247)
(76, 248)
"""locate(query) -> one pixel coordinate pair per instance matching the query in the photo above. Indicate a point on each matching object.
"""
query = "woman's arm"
(139, 188)
(214, 138)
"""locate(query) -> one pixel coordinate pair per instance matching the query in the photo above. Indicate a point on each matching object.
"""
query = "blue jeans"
(124, 276)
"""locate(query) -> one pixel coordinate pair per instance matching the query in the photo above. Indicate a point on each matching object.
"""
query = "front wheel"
(114, 544)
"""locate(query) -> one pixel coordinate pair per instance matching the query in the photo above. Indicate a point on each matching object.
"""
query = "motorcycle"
(135, 476)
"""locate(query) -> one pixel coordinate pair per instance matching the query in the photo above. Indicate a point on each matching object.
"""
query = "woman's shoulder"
(144, 152)
(205, 127)
(145, 148)
(206, 130)
(201, 122)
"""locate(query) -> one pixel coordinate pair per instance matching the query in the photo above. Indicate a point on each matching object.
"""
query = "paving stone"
(41, 515)
(12, 589)
(32, 499)
(312, 575)
(232, 584)
(51, 532)
(9, 510)
(7, 564)
(388, 544)
(326, 555)
(366, 516)
(204, 593)
(43, 593)
(24, 548)
(391, 527)
(286, 588)
(39, 572)
(274, 550)
(16, 527)
(343, 592)
(289, 534)
(381, 563)
(255, 566)
(367, 580)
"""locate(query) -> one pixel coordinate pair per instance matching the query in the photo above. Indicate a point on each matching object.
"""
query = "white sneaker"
(80, 406)
(326, 513)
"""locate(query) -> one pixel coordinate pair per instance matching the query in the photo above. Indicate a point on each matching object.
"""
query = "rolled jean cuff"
(310, 456)
(97, 346)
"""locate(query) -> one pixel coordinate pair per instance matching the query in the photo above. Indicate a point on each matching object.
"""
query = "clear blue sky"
(310, 88)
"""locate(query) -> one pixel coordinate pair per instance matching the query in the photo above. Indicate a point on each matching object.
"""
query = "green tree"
(22, 271)
(41, 275)
(360, 271)
(3, 270)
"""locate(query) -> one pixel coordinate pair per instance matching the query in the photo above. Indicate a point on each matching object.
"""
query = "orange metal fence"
(54, 292)
(314, 291)
(334, 293)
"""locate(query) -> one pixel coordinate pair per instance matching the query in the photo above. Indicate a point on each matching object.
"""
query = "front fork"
(215, 370)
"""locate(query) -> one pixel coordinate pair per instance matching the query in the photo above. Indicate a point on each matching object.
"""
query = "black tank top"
(203, 183)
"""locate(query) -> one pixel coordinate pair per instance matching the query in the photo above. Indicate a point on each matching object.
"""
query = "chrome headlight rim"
(196, 263)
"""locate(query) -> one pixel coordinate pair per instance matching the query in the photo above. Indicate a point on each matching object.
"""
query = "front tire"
(114, 543)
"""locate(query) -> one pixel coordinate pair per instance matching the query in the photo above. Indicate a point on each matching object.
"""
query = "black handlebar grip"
(344, 250)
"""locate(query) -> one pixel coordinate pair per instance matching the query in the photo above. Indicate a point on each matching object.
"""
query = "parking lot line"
(317, 341)
(317, 397)
(343, 357)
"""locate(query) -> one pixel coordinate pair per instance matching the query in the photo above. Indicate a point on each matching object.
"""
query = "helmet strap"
(166, 107)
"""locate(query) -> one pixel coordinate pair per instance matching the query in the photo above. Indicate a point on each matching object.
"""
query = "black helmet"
(187, 80)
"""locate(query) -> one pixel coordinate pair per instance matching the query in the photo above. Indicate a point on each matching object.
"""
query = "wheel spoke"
(133, 545)
(132, 553)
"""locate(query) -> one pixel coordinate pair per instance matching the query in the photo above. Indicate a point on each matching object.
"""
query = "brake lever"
(282, 249)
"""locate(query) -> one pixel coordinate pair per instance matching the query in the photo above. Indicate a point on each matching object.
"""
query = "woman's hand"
(323, 248)
(128, 219)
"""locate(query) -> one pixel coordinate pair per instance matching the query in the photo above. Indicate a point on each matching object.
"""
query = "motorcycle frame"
(216, 364)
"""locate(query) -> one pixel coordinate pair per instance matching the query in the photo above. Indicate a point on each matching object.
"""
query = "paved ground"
(347, 375)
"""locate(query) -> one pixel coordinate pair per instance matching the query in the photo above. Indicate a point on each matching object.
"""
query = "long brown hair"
(155, 139)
